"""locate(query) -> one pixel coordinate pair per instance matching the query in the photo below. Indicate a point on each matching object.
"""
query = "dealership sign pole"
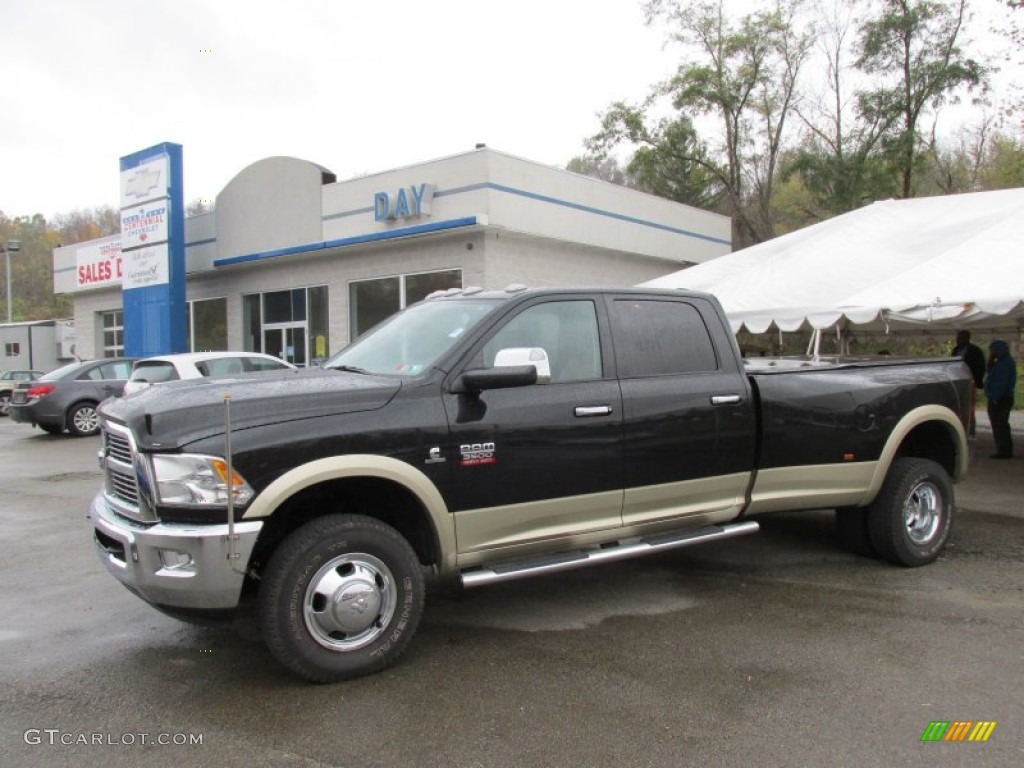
(153, 251)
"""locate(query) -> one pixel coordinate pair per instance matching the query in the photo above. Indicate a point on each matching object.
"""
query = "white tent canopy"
(955, 261)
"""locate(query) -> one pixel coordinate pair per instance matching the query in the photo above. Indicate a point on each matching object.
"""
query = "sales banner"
(97, 266)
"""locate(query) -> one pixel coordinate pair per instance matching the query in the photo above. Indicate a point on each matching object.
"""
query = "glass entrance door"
(288, 341)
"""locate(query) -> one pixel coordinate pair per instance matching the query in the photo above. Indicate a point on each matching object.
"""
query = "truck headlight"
(195, 479)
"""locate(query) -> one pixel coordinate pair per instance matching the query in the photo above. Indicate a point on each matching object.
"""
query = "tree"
(911, 51)
(956, 164)
(87, 224)
(745, 77)
(32, 267)
(838, 160)
(1004, 164)
(670, 160)
(600, 167)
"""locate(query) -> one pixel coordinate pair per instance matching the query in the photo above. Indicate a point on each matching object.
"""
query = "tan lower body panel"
(501, 527)
(815, 487)
(556, 524)
(714, 499)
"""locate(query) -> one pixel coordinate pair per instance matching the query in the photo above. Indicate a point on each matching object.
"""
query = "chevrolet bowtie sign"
(143, 183)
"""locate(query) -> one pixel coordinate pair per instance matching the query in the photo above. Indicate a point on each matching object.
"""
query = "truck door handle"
(725, 399)
(593, 410)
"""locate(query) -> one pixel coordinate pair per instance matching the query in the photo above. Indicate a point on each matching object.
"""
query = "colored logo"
(958, 730)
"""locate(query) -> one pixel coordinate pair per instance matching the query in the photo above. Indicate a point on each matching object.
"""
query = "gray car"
(67, 397)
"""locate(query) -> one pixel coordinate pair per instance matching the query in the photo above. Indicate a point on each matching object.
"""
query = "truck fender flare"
(910, 421)
(362, 465)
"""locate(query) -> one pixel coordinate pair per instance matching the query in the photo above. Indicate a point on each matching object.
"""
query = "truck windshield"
(412, 341)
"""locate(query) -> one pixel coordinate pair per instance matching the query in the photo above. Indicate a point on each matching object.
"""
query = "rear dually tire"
(910, 520)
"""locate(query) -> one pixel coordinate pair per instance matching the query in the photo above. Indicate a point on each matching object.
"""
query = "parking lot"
(779, 649)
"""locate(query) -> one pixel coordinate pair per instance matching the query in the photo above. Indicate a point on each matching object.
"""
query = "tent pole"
(814, 347)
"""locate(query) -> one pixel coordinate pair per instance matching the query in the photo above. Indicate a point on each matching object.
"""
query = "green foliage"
(742, 76)
(911, 49)
(731, 143)
(1004, 168)
(670, 159)
(598, 167)
(32, 266)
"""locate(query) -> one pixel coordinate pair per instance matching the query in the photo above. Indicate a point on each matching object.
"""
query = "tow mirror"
(513, 367)
(517, 356)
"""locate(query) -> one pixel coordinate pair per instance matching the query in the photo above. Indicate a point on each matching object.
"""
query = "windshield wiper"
(350, 369)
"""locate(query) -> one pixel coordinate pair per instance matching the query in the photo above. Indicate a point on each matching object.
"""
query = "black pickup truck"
(490, 435)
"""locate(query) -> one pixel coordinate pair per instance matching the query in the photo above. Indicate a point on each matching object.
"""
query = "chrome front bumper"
(174, 565)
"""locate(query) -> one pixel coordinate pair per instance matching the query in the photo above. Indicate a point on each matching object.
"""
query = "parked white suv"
(197, 365)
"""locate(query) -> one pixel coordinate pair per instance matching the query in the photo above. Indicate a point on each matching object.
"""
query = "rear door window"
(658, 338)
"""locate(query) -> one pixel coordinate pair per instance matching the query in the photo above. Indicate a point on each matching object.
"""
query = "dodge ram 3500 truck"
(490, 435)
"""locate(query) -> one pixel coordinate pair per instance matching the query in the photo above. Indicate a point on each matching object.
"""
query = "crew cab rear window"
(656, 338)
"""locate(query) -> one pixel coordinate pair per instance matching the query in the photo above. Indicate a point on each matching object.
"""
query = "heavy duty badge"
(475, 454)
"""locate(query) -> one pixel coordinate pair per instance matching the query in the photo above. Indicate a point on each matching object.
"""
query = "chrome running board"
(622, 550)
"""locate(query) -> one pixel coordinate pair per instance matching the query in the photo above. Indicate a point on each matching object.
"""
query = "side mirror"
(535, 356)
(513, 367)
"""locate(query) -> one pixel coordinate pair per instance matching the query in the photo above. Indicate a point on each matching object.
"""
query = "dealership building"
(294, 263)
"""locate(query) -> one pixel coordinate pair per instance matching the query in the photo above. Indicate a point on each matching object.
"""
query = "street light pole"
(12, 245)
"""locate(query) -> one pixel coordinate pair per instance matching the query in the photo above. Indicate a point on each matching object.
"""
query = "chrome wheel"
(5, 405)
(329, 609)
(922, 512)
(349, 602)
(84, 420)
(910, 520)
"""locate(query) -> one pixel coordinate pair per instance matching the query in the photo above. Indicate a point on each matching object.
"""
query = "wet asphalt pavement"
(778, 649)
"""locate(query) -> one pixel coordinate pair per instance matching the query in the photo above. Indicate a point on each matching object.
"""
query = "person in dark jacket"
(999, 387)
(975, 359)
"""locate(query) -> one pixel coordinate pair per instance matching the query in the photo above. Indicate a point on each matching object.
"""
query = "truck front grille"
(121, 470)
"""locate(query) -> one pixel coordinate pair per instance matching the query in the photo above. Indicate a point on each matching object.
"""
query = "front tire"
(340, 598)
(910, 520)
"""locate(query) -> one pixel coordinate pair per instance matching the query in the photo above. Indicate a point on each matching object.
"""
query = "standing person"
(975, 359)
(999, 386)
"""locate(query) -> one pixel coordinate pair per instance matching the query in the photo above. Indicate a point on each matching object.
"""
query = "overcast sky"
(358, 87)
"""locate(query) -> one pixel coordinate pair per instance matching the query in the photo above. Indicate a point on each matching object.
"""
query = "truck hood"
(171, 415)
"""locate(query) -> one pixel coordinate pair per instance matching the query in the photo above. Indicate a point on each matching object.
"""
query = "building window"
(12, 349)
(371, 301)
(291, 325)
(112, 324)
(319, 348)
(208, 325)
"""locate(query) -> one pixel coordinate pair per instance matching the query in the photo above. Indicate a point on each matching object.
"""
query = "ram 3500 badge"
(489, 436)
